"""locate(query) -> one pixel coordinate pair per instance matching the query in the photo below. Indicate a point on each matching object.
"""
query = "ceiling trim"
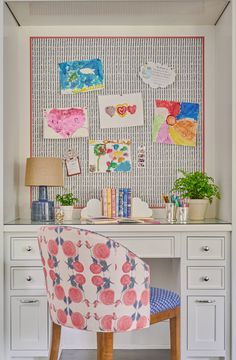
(13, 15)
(222, 12)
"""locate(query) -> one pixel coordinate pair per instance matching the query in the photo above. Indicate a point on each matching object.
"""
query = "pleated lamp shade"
(44, 171)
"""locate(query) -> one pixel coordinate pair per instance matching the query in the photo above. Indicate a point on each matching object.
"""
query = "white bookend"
(92, 209)
(140, 209)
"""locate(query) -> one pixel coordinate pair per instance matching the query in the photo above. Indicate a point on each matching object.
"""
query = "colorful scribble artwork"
(117, 111)
(109, 156)
(81, 76)
(65, 123)
(175, 123)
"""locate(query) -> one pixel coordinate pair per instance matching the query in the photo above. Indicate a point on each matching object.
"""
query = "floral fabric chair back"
(93, 283)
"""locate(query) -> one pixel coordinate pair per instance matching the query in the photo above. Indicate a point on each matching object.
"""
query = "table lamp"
(43, 172)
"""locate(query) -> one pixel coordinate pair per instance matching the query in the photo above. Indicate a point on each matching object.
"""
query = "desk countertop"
(164, 226)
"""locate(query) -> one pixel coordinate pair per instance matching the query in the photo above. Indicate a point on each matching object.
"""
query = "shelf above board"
(113, 12)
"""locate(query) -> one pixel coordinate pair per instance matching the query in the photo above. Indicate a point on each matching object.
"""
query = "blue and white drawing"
(81, 76)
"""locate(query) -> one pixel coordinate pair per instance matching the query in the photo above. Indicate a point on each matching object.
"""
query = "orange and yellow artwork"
(175, 123)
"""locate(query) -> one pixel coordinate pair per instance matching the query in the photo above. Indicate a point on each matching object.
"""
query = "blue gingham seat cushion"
(162, 300)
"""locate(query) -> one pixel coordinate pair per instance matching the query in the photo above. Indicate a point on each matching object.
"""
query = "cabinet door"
(29, 323)
(206, 323)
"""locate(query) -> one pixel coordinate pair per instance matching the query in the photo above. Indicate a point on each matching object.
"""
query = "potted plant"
(67, 202)
(200, 189)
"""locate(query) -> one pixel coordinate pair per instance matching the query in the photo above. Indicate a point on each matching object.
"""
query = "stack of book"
(116, 202)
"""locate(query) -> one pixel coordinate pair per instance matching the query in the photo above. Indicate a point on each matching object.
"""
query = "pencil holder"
(171, 210)
(183, 214)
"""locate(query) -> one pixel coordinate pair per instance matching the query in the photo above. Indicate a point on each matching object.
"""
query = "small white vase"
(68, 212)
(197, 209)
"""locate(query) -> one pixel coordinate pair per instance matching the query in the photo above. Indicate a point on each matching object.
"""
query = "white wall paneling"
(11, 111)
(2, 337)
(223, 111)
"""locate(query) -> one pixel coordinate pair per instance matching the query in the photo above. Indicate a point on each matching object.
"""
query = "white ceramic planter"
(68, 212)
(197, 209)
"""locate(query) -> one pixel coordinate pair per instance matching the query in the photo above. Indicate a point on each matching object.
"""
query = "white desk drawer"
(149, 247)
(27, 278)
(29, 323)
(24, 248)
(208, 277)
(206, 323)
(209, 248)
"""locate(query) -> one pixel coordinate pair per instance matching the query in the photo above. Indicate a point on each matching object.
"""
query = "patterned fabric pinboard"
(122, 59)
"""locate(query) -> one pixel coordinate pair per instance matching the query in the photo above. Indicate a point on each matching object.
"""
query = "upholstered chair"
(95, 284)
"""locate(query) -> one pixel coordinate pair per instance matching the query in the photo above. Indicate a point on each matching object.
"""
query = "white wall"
(11, 116)
(233, 244)
(8, 125)
(24, 93)
(1, 188)
(223, 114)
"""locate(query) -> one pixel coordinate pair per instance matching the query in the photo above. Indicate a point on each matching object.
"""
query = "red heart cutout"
(132, 109)
(121, 109)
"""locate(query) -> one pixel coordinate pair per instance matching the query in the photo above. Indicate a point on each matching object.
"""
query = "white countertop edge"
(131, 228)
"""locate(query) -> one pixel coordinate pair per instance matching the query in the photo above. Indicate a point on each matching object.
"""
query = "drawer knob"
(206, 248)
(206, 278)
(29, 278)
(29, 248)
(205, 301)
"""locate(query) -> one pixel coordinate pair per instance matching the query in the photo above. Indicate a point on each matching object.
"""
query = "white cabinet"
(206, 323)
(29, 323)
(207, 269)
(27, 313)
(198, 260)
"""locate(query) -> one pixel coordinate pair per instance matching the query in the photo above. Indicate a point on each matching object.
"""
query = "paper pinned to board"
(118, 111)
(157, 75)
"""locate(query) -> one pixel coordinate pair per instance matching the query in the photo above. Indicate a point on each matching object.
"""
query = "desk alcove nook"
(174, 261)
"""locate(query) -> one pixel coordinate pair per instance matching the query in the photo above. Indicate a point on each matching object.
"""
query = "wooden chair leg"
(104, 346)
(55, 341)
(175, 336)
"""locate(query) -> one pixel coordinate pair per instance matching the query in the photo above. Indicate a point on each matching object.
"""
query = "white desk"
(197, 265)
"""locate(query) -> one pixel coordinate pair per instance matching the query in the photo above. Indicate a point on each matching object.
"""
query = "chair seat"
(162, 300)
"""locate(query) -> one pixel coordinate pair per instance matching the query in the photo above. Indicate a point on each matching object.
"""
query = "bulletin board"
(122, 58)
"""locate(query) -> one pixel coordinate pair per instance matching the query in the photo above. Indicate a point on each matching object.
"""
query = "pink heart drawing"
(121, 109)
(110, 110)
(66, 122)
(132, 109)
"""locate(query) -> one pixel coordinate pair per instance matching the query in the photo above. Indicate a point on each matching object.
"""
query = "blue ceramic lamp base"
(42, 209)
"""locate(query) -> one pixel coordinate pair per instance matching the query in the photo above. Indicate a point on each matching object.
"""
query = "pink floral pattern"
(93, 283)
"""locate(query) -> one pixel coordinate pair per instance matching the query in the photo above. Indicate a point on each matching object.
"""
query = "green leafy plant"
(196, 185)
(66, 199)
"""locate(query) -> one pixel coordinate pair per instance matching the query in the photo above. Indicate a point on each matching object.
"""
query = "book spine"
(121, 214)
(113, 202)
(125, 202)
(129, 210)
(117, 202)
(109, 212)
(104, 202)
